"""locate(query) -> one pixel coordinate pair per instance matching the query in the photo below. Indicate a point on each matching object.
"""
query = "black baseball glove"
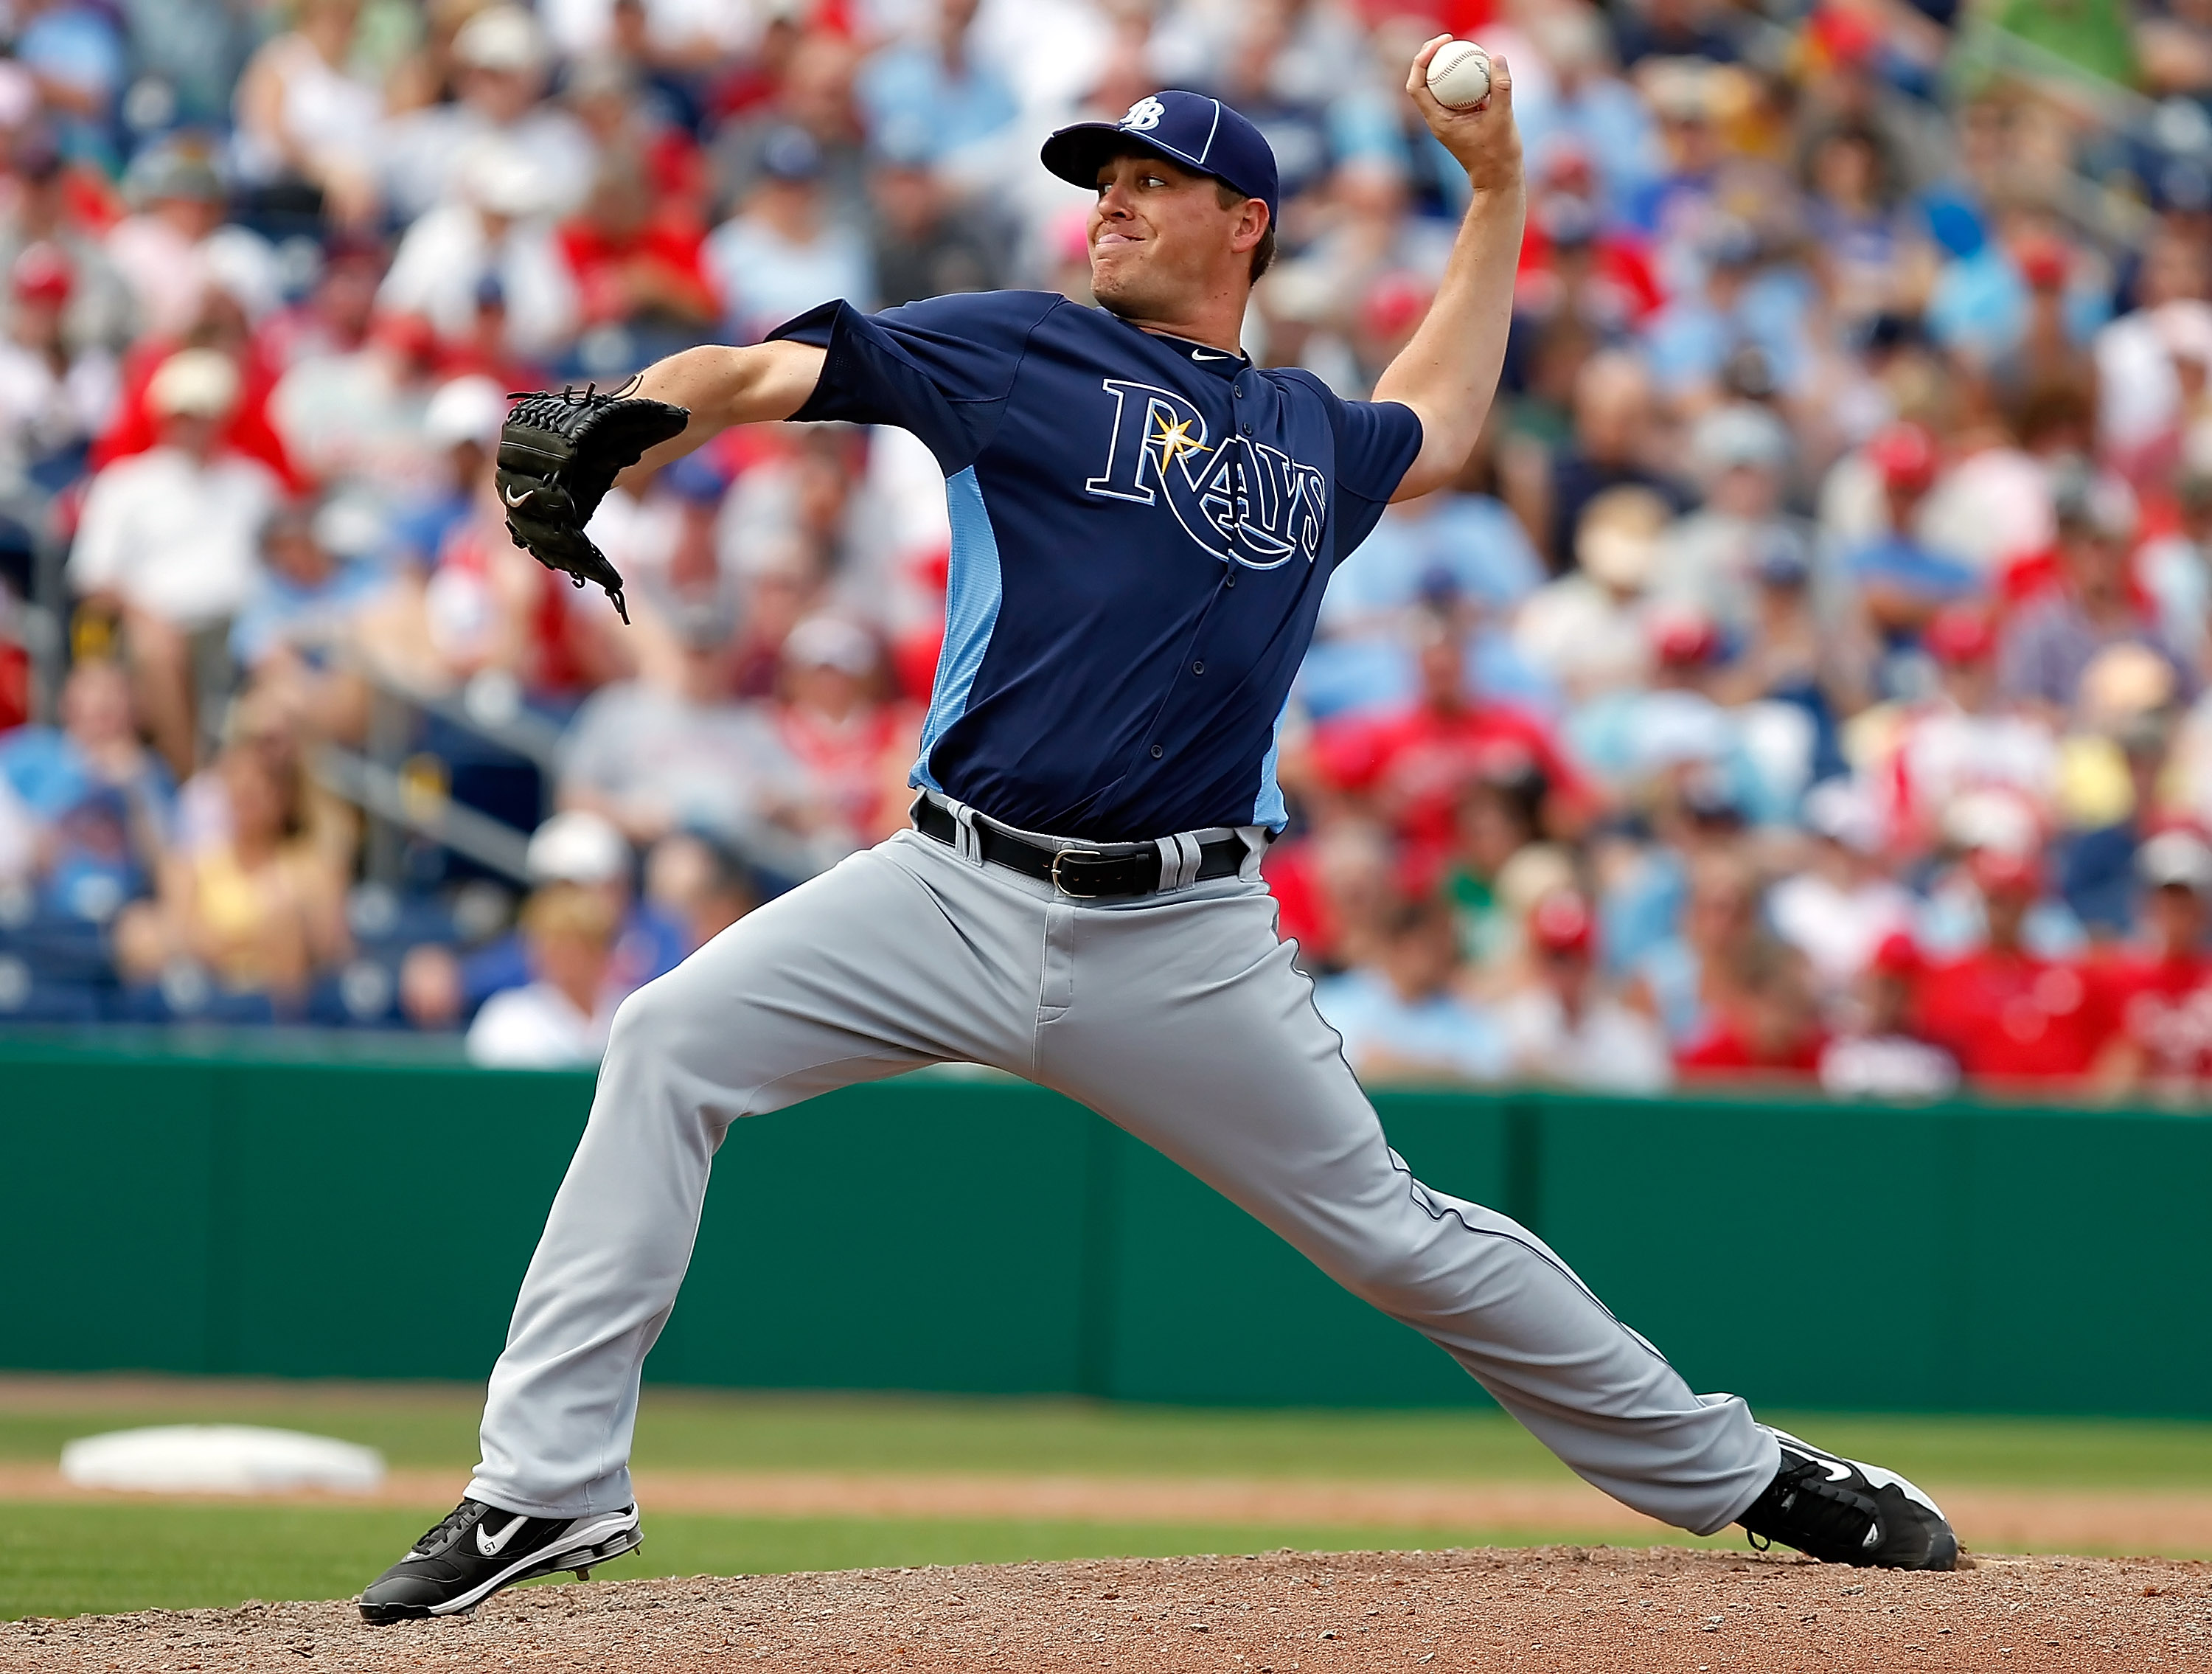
(558, 454)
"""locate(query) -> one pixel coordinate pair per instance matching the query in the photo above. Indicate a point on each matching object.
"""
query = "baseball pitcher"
(1143, 523)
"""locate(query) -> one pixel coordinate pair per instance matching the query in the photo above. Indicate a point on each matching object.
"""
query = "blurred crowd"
(1806, 679)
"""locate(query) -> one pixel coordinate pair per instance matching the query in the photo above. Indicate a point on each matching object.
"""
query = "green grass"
(79, 1559)
(66, 1559)
(434, 1425)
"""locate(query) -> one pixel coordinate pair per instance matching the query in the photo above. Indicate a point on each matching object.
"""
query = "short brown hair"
(573, 910)
(1263, 252)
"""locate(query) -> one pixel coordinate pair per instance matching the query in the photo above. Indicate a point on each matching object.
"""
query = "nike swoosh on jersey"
(492, 1545)
(1202, 355)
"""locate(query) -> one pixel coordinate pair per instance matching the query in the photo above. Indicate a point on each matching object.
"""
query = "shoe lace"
(454, 1520)
(1803, 1508)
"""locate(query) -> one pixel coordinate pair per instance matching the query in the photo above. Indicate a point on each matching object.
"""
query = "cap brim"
(1073, 153)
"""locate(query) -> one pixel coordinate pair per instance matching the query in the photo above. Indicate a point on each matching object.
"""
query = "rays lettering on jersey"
(1243, 500)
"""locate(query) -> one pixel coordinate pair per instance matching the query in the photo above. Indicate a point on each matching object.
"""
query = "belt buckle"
(1078, 854)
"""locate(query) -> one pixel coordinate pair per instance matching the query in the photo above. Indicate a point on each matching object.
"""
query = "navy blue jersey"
(1142, 529)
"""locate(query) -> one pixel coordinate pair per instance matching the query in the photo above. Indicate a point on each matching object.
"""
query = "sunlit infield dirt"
(1595, 1610)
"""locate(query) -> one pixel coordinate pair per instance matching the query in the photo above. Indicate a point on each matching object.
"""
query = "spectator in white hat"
(500, 62)
(560, 1019)
(169, 540)
(2160, 996)
(574, 852)
(577, 846)
(1588, 629)
(497, 226)
(1838, 909)
(461, 427)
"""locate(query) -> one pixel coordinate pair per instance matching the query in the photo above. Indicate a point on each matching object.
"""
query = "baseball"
(1459, 75)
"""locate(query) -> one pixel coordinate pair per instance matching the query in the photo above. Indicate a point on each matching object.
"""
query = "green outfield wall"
(243, 1214)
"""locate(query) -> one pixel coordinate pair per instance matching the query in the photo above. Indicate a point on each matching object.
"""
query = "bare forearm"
(725, 386)
(1448, 374)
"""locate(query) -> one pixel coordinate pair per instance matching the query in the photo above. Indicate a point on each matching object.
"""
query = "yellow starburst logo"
(1174, 441)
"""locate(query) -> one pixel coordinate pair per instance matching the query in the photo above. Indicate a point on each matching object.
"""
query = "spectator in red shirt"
(135, 427)
(1563, 1023)
(1333, 887)
(483, 348)
(1963, 737)
(488, 605)
(854, 749)
(1877, 1056)
(637, 264)
(627, 116)
(2004, 1012)
(1575, 266)
(1414, 764)
(2159, 1000)
(1765, 1027)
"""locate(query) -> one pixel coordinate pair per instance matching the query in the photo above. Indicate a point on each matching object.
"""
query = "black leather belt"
(1088, 873)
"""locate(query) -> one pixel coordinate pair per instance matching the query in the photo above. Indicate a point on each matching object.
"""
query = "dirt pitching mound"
(1606, 1610)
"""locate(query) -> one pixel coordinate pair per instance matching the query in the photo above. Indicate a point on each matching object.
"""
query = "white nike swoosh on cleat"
(612, 1526)
(1837, 1469)
(1876, 1475)
(514, 499)
(493, 1546)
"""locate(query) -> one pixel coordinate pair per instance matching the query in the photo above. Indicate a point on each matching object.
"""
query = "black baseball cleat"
(1839, 1510)
(480, 1548)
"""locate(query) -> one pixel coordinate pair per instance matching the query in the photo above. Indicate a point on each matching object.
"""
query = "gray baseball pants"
(1180, 1018)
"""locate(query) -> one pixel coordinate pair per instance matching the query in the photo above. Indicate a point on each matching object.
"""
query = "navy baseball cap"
(1189, 128)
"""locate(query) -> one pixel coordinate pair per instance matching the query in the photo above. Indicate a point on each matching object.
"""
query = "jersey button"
(1198, 668)
(1158, 750)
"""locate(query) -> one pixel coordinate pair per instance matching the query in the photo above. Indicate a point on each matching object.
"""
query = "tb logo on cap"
(1144, 114)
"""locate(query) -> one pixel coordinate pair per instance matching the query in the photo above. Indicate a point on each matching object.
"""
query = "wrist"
(1490, 194)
